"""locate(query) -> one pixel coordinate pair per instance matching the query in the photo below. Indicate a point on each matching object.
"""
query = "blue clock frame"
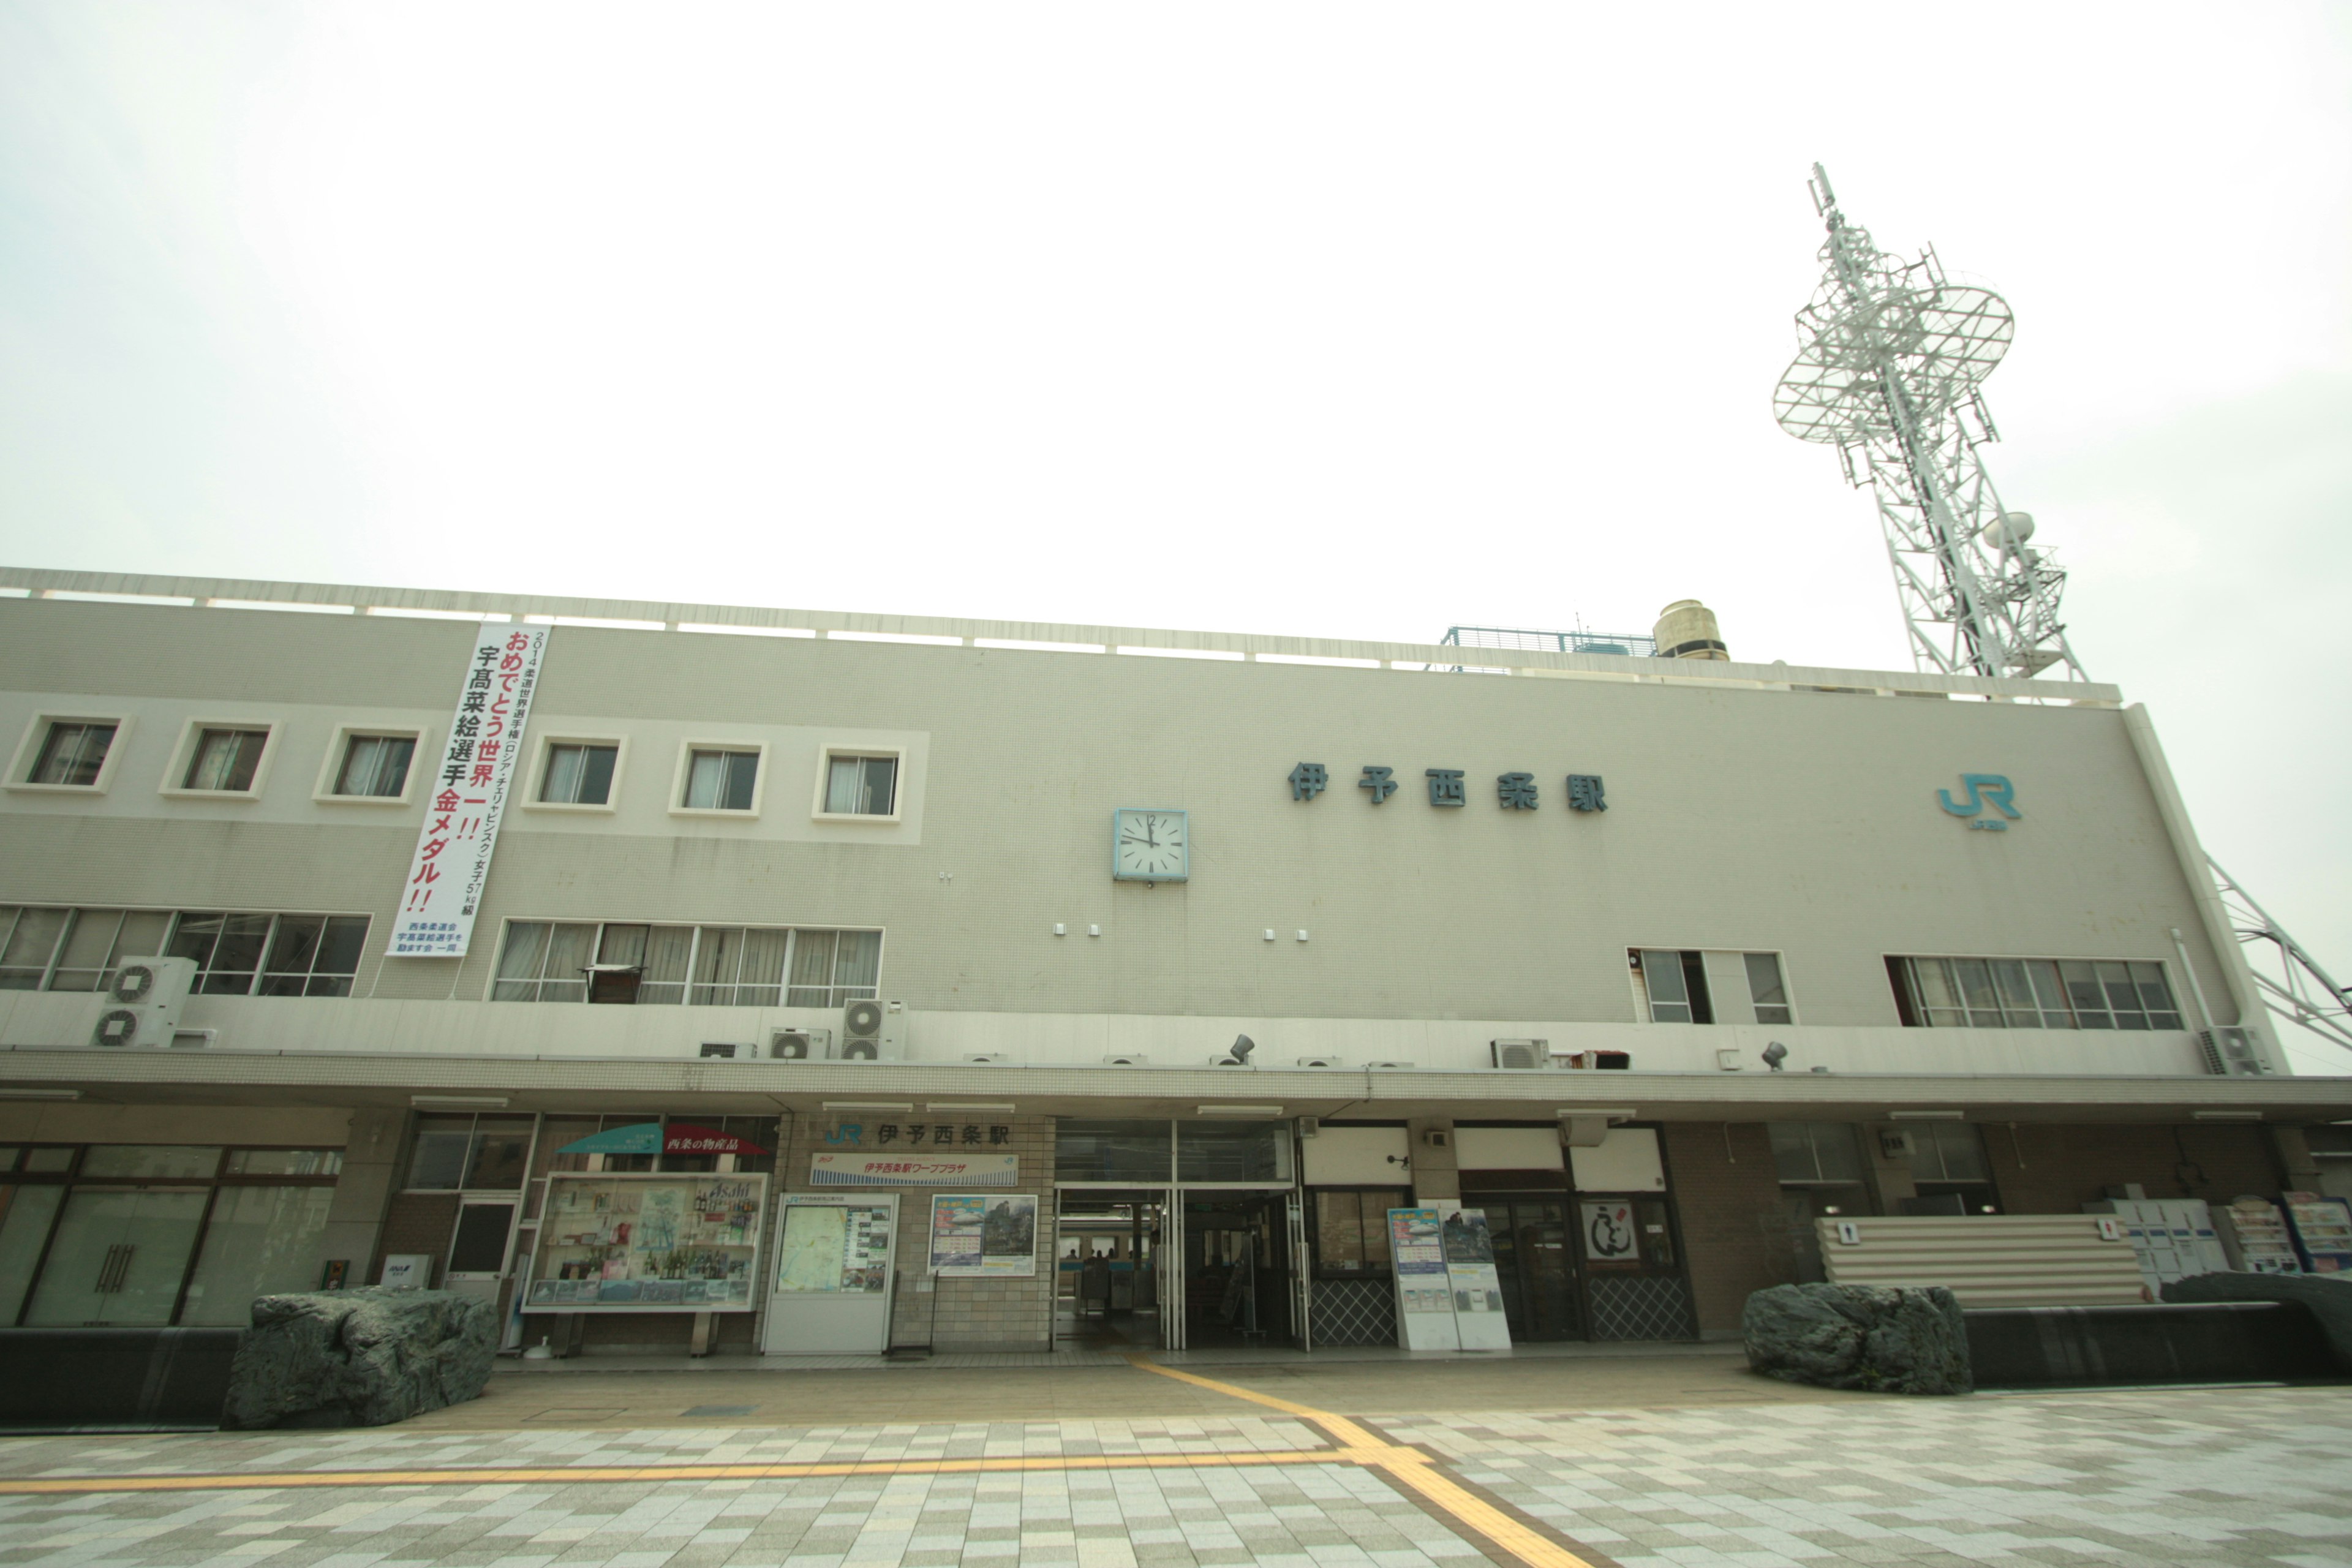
(1183, 872)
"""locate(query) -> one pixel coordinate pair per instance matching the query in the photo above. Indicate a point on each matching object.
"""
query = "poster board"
(1477, 1285)
(829, 1293)
(984, 1235)
(615, 1243)
(1424, 1298)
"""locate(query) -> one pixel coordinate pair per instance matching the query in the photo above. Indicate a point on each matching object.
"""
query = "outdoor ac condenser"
(144, 1001)
(1522, 1053)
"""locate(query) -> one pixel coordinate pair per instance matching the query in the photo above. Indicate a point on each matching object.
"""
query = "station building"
(1179, 957)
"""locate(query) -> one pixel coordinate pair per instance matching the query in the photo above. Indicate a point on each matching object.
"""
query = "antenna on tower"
(1892, 358)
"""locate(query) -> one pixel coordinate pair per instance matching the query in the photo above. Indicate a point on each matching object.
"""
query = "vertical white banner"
(468, 798)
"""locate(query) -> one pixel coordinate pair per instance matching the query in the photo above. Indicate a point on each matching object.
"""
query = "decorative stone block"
(1860, 1337)
(360, 1357)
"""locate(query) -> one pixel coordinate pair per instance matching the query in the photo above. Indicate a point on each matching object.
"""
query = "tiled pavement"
(2260, 1476)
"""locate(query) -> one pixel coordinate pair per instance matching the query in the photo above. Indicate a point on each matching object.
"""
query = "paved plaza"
(1685, 1462)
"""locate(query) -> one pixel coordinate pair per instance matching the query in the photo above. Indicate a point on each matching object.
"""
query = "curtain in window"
(82, 963)
(716, 963)
(30, 946)
(622, 944)
(763, 975)
(857, 965)
(568, 950)
(811, 977)
(519, 965)
(668, 950)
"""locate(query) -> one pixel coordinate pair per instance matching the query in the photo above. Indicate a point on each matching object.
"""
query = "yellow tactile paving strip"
(1413, 1471)
(1409, 1468)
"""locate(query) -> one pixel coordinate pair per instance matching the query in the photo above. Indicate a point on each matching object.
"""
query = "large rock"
(1859, 1336)
(360, 1357)
(2329, 1296)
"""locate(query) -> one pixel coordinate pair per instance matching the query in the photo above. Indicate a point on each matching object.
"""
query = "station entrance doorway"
(1175, 1268)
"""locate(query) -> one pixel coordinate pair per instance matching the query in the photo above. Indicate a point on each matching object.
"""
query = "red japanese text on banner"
(466, 795)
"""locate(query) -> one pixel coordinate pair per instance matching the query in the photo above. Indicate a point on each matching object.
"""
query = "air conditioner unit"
(1521, 1053)
(2233, 1052)
(143, 1003)
(194, 1040)
(1309, 1126)
(1321, 1062)
(868, 1034)
(719, 1049)
(1126, 1060)
(1386, 1067)
(800, 1045)
(987, 1057)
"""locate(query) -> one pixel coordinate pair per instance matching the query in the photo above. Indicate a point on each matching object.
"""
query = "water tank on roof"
(1686, 629)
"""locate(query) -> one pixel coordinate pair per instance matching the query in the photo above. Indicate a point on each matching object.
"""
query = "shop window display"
(658, 1243)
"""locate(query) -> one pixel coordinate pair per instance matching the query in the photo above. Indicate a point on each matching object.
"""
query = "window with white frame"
(1686, 986)
(223, 759)
(859, 784)
(2033, 994)
(72, 754)
(374, 767)
(719, 779)
(578, 772)
(707, 967)
(49, 948)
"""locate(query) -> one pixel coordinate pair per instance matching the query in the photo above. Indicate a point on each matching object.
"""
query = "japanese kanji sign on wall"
(466, 798)
(915, 1168)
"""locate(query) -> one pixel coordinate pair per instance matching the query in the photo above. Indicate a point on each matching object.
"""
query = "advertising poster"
(1476, 1288)
(983, 1234)
(466, 798)
(1424, 1298)
(683, 1243)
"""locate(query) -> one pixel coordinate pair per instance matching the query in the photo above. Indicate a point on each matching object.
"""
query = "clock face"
(1151, 846)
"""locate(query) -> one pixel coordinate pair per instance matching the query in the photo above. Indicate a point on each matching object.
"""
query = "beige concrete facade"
(1751, 808)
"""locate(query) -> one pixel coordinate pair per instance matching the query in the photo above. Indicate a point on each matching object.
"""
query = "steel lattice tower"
(1893, 357)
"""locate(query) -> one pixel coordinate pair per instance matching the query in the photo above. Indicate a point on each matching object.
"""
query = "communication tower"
(1893, 358)
(1890, 374)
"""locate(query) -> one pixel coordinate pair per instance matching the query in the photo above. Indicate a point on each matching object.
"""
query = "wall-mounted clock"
(1151, 846)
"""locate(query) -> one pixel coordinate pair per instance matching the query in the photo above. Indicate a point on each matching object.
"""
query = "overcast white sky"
(1354, 320)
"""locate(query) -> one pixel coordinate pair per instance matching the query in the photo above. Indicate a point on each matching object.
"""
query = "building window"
(147, 1235)
(1765, 988)
(710, 967)
(95, 943)
(80, 949)
(224, 761)
(859, 785)
(469, 1153)
(1351, 1231)
(2033, 994)
(1674, 985)
(578, 773)
(309, 955)
(375, 766)
(720, 780)
(72, 754)
(1950, 1174)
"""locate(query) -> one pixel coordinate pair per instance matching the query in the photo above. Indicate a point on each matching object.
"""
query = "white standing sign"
(466, 797)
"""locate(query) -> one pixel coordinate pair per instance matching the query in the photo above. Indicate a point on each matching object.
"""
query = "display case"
(687, 1243)
(2323, 1232)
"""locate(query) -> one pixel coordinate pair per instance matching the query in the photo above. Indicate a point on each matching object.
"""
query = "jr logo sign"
(1984, 790)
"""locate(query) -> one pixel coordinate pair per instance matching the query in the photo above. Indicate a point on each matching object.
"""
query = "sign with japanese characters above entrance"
(913, 1168)
(467, 797)
(1451, 787)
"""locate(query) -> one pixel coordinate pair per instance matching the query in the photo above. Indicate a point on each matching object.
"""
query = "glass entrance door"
(119, 1258)
(1237, 1268)
(1537, 1267)
(1108, 1253)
